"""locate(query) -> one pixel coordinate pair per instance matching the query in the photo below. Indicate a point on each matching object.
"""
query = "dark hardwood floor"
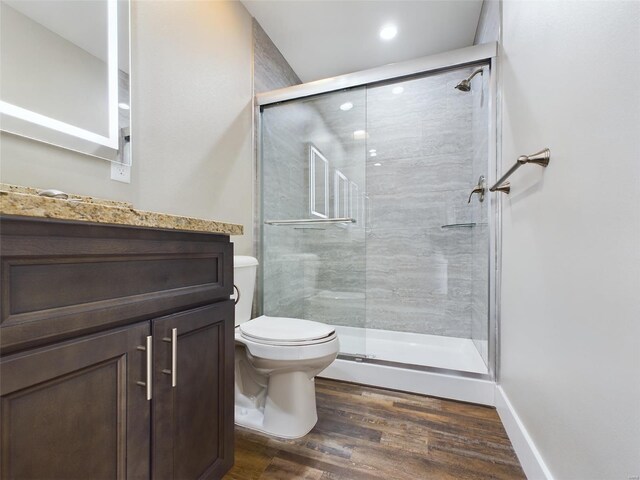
(371, 433)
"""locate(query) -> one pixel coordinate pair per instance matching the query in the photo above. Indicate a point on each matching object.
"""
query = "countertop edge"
(27, 205)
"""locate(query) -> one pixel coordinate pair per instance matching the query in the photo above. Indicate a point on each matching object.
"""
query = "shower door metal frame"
(393, 71)
(495, 227)
(478, 54)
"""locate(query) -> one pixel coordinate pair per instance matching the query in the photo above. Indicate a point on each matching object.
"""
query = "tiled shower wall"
(270, 71)
(307, 265)
(420, 256)
(339, 296)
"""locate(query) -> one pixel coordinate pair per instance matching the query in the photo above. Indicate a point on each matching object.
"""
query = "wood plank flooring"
(371, 433)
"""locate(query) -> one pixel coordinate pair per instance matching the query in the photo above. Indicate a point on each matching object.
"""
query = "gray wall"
(270, 71)
(489, 23)
(571, 233)
(191, 125)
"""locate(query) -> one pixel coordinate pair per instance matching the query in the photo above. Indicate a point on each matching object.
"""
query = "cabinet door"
(193, 420)
(75, 410)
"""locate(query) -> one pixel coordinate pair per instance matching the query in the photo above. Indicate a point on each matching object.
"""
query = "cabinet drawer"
(61, 279)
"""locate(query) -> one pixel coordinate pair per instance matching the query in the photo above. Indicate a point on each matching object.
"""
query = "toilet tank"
(244, 279)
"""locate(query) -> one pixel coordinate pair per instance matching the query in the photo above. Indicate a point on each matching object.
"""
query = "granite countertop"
(25, 202)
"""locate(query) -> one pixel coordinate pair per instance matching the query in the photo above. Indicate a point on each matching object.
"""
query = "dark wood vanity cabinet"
(116, 352)
(190, 436)
(73, 409)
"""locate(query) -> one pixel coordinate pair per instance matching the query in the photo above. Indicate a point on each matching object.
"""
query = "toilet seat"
(283, 331)
(306, 340)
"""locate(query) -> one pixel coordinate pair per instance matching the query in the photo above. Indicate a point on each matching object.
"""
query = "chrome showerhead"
(465, 85)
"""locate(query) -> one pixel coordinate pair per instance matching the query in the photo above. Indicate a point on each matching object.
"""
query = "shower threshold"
(410, 349)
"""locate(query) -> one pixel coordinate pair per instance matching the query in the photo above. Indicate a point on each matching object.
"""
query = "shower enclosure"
(367, 222)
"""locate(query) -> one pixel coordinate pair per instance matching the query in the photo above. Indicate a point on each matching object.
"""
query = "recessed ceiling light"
(359, 135)
(373, 150)
(377, 164)
(373, 154)
(397, 90)
(123, 106)
(388, 32)
(346, 106)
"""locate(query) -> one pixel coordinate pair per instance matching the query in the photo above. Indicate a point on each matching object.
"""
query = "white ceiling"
(324, 38)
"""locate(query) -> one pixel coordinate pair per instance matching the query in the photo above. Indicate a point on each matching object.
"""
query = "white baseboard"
(529, 456)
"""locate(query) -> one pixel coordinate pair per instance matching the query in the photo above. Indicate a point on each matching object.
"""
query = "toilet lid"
(286, 330)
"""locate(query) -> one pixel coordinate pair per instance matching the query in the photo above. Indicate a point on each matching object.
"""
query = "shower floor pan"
(411, 349)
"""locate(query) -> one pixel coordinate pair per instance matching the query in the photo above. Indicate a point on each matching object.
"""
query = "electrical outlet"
(120, 172)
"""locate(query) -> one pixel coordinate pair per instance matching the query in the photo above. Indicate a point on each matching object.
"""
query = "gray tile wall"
(489, 23)
(419, 275)
(312, 272)
(270, 71)
(339, 296)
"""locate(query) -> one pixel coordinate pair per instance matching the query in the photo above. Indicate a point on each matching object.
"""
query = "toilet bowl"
(276, 361)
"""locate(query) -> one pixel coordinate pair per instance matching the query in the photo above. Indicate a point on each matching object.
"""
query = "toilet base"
(289, 408)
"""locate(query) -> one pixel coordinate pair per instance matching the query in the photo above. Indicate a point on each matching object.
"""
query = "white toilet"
(276, 360)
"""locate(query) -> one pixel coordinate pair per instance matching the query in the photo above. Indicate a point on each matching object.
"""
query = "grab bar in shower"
(539, 158)
(305, 221)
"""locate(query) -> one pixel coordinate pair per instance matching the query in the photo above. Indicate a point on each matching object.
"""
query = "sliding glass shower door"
(313, 210)
(368, 223)
(427, 245)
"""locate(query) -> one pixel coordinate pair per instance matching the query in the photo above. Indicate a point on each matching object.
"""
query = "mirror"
(318, 183)
(65, 74)
(341, 195)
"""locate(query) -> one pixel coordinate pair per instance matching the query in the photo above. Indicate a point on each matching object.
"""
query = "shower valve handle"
(479, 189)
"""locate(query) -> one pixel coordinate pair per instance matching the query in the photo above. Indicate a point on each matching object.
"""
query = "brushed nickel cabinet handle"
(148, 348)
(174, 357)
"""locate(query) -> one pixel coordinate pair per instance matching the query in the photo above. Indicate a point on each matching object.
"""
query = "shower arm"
(478, 71)
(539, 158)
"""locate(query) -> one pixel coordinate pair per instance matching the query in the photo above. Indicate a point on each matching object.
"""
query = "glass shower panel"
(426, 250)
(313, 170)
